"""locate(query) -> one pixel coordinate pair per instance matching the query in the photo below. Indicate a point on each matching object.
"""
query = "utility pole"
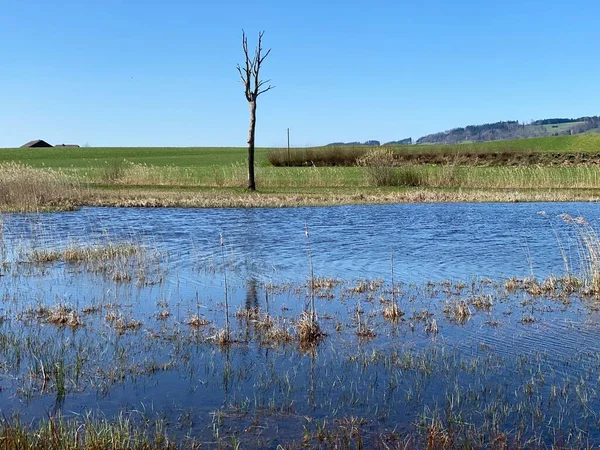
(288, 136)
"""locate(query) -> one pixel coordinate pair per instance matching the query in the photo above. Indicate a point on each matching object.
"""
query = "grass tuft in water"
(309, 331)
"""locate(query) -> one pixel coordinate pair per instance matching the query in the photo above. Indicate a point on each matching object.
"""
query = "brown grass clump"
(392, 312)
(196, 321)
(458, 311)
(325, 283)
(482, 302)
(309, 331)
(63, 315)
(122, 324)
(512, 284)
(163, 315)
(75, 253)
(223, 338)
(380, 171)
(533, 287)
(570, 284)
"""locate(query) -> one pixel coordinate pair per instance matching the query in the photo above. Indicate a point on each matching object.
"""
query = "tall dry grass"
(24, 188)
(588, 249)
(379, 169)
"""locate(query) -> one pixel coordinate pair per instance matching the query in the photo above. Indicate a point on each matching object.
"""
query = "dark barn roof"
(36, 143)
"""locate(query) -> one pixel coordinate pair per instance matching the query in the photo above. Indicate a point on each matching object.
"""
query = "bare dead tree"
(254, 87)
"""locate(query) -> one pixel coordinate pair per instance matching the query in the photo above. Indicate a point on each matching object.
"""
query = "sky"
(163, 73)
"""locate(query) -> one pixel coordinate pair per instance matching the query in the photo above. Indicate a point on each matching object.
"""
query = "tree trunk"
(251, 130)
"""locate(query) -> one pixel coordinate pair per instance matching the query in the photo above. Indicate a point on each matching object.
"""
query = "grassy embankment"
(556, 168)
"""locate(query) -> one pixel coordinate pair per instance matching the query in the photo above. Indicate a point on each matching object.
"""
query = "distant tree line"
(371, 143)
(593, 119)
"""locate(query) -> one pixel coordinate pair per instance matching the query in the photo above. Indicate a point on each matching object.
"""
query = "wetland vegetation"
(114, 338)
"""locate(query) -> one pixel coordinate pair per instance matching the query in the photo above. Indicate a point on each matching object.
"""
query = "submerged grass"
(75, 253)
(87, 433)
(422, 381)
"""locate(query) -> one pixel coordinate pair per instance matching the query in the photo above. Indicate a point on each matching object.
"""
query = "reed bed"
(23, 188)
(446, 175)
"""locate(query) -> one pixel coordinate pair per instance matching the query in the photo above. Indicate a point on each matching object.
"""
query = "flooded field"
(440, 326)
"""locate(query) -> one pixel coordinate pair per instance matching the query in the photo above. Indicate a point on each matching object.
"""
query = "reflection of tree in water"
(252, 295)
(251, 308)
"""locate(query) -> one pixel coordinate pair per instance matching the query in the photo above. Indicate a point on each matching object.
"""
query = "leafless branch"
(250, 75)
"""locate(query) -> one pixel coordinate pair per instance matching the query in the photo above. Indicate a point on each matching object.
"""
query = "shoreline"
(169, 197)
(240, 198)
(223, 198)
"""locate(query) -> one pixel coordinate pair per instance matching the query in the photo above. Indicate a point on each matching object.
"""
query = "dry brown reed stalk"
(364, 332)
(392, 311)
(24, 188)
(313, 313)
(589, 251)
(226, 337)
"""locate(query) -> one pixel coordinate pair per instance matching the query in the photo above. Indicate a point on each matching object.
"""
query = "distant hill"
(371, 143)
(407, 141)
(514, 130)
(498, 131)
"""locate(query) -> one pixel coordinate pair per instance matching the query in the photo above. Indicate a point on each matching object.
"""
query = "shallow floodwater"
(429, 241)
(519, 360)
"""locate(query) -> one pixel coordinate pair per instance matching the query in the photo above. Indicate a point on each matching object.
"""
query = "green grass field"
(195, 157)
(560, 127)
(96, 157)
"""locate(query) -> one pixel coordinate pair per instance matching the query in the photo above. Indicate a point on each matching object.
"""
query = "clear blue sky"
(162, 73)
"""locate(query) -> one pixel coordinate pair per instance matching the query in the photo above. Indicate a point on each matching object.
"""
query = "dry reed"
(24, 188)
